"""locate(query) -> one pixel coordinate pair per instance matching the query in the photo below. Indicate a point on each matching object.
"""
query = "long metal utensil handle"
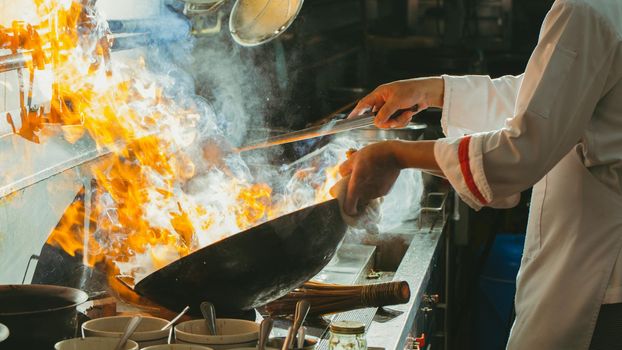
(302, 309)
(129, 330)
(172, 322)
(330, 128)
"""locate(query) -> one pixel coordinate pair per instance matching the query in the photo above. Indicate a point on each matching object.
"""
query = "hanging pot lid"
(255, 22)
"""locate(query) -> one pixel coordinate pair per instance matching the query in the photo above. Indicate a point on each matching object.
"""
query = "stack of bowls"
(148, 331)
(231, 333)
(93, 343)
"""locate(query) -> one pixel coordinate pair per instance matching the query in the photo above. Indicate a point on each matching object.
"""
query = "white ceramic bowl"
(148, 331)
(4, 332)
(179, 347)
(93, 343)
(232, 333)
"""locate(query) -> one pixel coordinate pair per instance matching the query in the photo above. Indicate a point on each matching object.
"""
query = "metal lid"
(254, 22)
(347, 327)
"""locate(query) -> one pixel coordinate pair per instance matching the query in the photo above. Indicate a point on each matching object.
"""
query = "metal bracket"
(32, 257)
(433, 208)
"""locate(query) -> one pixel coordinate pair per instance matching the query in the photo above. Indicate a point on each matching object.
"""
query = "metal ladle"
(129, 330)
(301, 338)
(302, 309)
(209, 314)
(264, 332)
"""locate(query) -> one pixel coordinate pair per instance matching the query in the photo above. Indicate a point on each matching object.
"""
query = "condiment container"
(232, 333)
(148, 331)
(93, 343)
(347, 335)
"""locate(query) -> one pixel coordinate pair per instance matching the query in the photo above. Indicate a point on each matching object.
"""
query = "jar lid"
(347, 327)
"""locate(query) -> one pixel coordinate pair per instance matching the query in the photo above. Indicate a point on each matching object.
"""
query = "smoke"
(171, 114)
(403, 203)
(238, 87)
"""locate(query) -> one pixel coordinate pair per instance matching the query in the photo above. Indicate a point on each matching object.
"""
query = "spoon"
(302, 309)
(172, 322)
(264, 332)
(209, 314)
(301, 338)
(129, 330)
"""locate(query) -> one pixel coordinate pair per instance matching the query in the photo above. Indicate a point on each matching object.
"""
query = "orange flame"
(140, 204)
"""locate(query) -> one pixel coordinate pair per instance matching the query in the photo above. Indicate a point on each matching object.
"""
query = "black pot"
(38, 316)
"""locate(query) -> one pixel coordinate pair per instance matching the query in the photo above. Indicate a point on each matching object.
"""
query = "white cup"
(148, 331)
(93, 343)
(232, 333)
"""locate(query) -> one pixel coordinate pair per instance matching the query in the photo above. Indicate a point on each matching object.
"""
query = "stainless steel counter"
(422, 241)
(415, 268)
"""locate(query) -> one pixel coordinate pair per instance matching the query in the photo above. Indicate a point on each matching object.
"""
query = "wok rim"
(72, 295)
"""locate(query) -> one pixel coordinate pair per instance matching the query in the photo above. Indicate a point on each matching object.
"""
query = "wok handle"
(331, 298)
(392, 293)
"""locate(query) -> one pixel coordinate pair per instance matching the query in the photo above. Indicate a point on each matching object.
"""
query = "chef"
(558, 128)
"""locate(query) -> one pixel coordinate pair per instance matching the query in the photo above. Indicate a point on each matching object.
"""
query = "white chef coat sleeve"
(476, 103)
(563, 82)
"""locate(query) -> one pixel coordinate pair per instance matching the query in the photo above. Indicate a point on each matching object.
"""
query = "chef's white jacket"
(519, 127)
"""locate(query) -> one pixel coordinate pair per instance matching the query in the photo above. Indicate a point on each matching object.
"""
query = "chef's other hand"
(403, 94)
(373, 171)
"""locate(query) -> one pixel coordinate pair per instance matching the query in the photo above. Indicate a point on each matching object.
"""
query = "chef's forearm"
(436, 92)
(416, 154)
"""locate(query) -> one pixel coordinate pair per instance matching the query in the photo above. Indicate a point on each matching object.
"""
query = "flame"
(142, 215)
(70, 236)
(254, 203)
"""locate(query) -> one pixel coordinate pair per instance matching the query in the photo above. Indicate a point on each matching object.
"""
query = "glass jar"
(347, 335)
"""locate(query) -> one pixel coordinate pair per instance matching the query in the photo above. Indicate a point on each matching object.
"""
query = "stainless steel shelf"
(23, 163)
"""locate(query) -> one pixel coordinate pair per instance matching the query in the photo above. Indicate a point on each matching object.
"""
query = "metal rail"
(122, 42)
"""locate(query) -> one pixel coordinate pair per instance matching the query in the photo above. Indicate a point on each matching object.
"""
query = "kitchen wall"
(29, 214)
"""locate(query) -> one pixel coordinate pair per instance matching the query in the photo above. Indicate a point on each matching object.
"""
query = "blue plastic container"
(496, 289)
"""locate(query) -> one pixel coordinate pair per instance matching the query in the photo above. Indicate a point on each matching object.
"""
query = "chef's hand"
(403, 94)
(373, 171)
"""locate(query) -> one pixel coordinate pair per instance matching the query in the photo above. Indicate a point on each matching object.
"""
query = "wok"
(253, 267)
(38, 315)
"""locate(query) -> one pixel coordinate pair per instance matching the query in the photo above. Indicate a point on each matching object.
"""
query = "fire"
(254, 203)
(146, 209)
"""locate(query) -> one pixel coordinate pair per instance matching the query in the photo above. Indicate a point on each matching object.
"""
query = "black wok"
(253, 267)
(38, 316)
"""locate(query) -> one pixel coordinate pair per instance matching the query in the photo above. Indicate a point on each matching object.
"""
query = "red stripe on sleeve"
(463, 156)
